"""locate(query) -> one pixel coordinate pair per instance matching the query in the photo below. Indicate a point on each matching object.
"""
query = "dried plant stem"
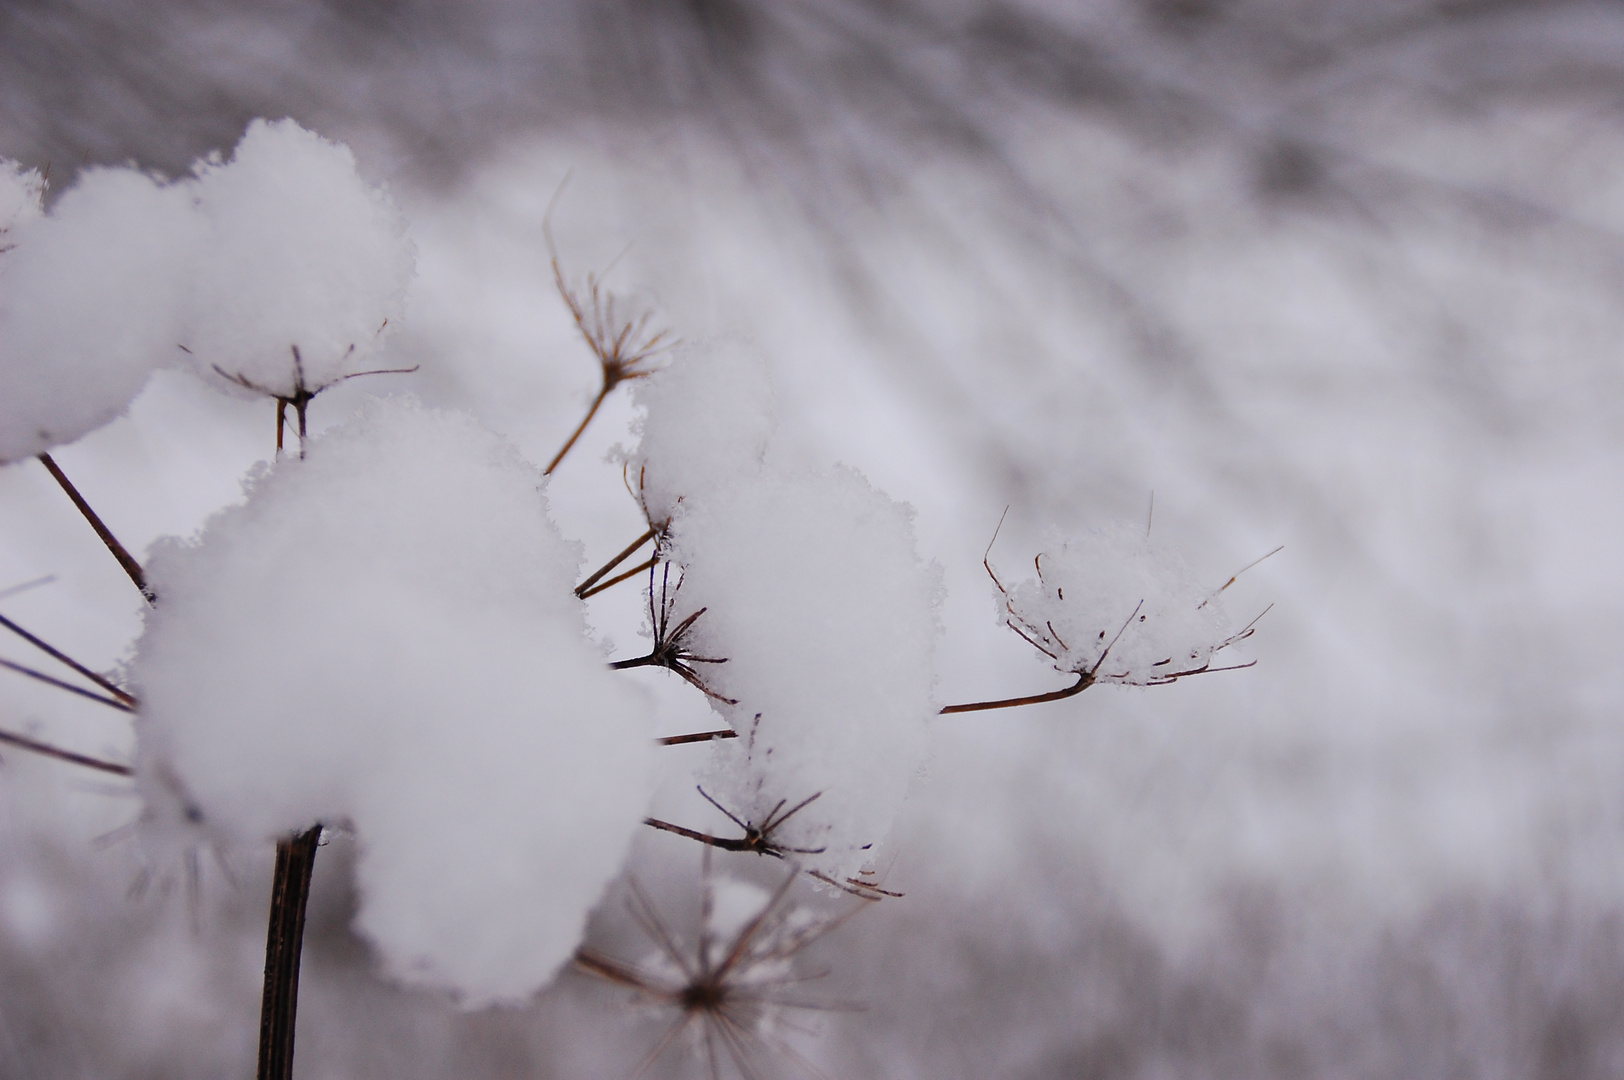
(576, 434)
(131, 567)
(618, 578)
(585, 589)
(698, 736)
(1084, 681)
(57, 654)
(21, 669)
(284, 937)
(23, 742)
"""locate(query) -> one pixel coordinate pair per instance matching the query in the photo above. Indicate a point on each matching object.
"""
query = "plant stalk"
(131, 567)
(284, 937)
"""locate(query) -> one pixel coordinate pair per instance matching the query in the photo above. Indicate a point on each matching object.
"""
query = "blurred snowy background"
(1344, 276)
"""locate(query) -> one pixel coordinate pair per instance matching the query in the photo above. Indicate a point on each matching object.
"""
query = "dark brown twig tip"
(34, 746)
(125, 560)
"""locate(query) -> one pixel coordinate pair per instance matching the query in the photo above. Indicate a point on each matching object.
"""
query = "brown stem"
(698, 736)
(585, 420)
(24, 743)
(617, 579)
(284, 937)
(1084, 681)
(131, 567)
(585, 587)
(59, 684)
(56, 654)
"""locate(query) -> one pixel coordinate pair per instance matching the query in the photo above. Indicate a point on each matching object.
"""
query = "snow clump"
(827, 617)
(708, 419)
(1111, 605)
(89, 300)
(383, 637)
(300, 254)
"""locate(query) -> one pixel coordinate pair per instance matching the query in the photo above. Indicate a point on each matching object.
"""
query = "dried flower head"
(733, 988)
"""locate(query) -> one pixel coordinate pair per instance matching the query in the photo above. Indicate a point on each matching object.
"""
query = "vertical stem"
(131, 567)
(284, 936)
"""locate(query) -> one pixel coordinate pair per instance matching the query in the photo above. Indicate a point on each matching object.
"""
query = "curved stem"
(1084, 681)
(284, 938)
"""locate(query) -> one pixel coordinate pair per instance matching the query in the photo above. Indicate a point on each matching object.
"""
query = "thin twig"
(576, 434)
(698, 736)
(1084, 681)
(56, 654)
(617, 579)
(24, 743)
(585, 588)
(113, 703)
(131, 567)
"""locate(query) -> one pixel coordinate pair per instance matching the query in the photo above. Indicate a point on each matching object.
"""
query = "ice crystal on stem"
(1109, 606)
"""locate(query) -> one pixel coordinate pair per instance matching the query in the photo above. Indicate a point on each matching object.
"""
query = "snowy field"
(1343, 277)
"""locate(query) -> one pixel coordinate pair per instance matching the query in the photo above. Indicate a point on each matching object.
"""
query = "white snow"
(708, 419)
(1112, 604)
(826, 615)
(88, 301)
(383, 636)
(300, 253)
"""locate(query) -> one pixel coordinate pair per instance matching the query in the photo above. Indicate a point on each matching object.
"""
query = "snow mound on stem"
(827, 618)
(708, 419)
(300, 253)
(89, 300)
(1111, 604)
(383, 636)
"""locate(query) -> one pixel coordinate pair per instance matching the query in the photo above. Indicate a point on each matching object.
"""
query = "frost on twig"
(736, 986)
(1111, 607)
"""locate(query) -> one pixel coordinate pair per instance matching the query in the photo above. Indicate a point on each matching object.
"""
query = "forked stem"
(131, 567)
(585, 589)
(284, 938)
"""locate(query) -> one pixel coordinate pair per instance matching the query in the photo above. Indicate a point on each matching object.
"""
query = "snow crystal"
(814, 594)
(709, 416)
(1112, 604)
(88, 301)
(383, 637)
(300, 254)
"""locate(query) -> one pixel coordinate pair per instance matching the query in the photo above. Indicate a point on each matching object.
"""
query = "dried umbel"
(737, 986)
(1111, 607)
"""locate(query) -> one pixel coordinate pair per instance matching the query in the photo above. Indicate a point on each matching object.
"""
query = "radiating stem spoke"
(131, 567)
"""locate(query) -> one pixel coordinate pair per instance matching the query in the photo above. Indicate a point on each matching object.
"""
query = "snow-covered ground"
(1340, 277)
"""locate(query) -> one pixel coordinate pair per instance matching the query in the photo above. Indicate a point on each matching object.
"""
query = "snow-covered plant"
(302, 267)
(386, 636)
(91, 300)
